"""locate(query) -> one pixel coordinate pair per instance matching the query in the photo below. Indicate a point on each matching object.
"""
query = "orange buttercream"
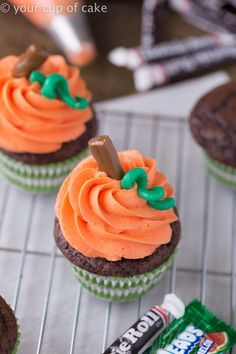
(99, 219)
(32, 123)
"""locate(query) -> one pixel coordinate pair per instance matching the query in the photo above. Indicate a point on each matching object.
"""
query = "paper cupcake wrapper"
(15, 350)
(38, 178)
(121, 288)
(222, 173)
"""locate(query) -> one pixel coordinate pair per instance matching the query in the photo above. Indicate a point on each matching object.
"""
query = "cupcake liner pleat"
(15, 350)
(222, 173)
(121, 288)
(44, 178)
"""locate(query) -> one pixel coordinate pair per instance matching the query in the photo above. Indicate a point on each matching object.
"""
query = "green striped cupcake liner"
(15, 350)
(44, 178)
(222, 173)
(121, 288)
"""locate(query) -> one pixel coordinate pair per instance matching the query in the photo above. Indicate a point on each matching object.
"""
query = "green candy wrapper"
(198, 332)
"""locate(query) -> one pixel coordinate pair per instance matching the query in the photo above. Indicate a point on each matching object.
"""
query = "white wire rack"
(55, 314)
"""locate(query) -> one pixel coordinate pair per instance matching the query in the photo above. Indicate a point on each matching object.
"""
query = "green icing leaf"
(153, 195)
(56, 86)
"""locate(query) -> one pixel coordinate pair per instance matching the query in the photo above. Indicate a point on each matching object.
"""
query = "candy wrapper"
(212, 16)
(143, 332)
(153, 22)
(198, 332)
(189, 65)
(132, 58)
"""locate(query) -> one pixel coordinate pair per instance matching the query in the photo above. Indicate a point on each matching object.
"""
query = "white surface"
(206, 244)
(176, 100)
(19, 227)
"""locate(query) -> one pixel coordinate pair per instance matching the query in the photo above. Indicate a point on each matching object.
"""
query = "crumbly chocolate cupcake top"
(101, 216)
(41, 110)
(8, 328)
(213, 123)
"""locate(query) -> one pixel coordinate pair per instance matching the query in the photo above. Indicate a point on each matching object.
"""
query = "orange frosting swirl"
(99, 219)
(32, 123)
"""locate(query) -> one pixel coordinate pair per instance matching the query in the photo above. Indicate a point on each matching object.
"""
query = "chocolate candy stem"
(33, 58)
(106, 156)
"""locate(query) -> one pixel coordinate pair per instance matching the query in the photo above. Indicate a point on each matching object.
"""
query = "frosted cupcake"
(45, 119)
(115, 222)
(213, 125)
(9, 336)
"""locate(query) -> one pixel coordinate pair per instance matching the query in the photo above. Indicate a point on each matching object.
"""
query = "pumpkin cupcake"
(213, 126)
(45, 119)
(116, 222)
(9, 336)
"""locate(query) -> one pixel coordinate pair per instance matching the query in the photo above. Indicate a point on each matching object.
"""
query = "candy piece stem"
(30, 60)
(106, 156)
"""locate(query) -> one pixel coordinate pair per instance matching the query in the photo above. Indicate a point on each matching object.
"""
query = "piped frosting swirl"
(99, 219)
(32, 123)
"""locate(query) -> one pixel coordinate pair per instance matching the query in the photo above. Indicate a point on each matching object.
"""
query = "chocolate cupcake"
(45, 119)
(116, 222)
(213, 125)
(9, 337)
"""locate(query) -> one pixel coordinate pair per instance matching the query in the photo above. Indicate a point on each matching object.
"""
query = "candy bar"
(212, 16)
(198, 332)
(135, 57)
(152, 13)
(142, 333)
(176, 69)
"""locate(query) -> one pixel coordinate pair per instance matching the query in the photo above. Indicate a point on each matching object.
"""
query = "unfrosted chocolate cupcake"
(213, 125)
(8, 329)
(45, 119)
(119, 228)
